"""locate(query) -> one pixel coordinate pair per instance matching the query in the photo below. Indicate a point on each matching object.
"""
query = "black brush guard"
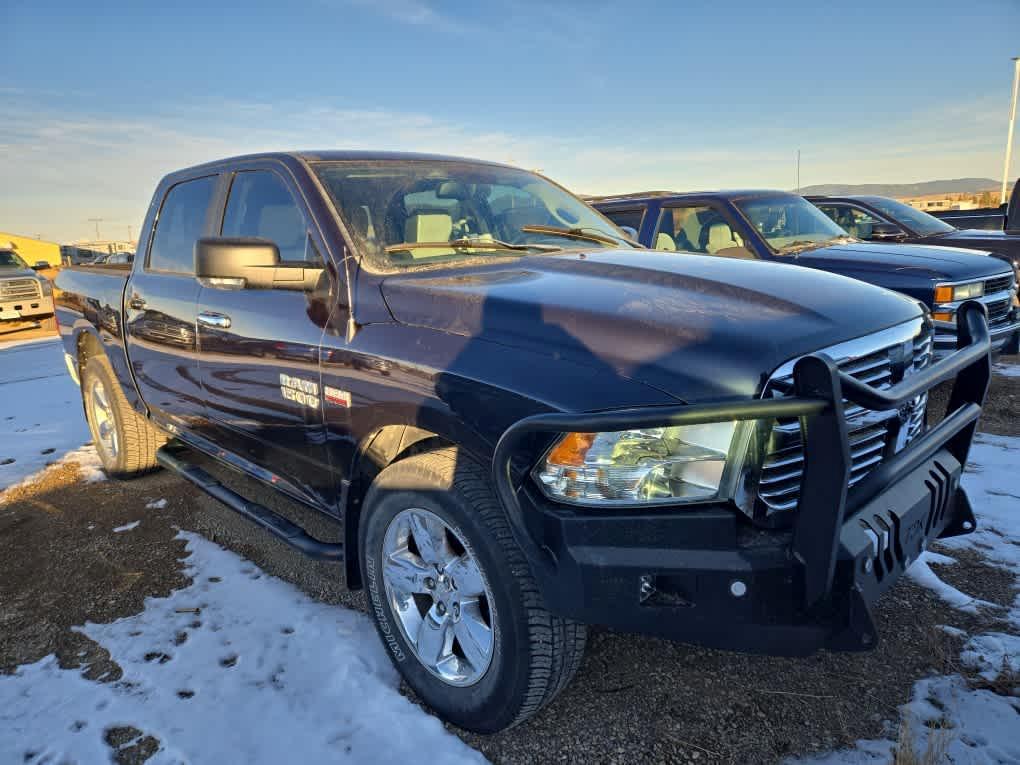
(877, 541)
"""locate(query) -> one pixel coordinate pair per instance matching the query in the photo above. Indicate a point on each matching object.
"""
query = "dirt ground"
(635, 699)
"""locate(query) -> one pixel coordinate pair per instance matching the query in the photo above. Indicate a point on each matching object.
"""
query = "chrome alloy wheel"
(103, 426)
(439, 595)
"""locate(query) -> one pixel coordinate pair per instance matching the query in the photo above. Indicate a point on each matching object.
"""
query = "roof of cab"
(675, 195)
(332, 155)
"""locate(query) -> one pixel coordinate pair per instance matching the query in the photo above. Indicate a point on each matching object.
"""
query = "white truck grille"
(878, 360)
(19, 289)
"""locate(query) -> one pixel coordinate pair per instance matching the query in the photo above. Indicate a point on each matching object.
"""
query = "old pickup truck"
(506, 422)
(785, 228)
(25, 296)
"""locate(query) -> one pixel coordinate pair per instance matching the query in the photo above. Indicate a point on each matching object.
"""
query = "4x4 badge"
(337, 397)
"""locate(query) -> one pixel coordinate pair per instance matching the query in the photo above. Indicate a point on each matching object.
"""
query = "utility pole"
(1012, 123)
(97, 221)
(129, 233)
(798, 171)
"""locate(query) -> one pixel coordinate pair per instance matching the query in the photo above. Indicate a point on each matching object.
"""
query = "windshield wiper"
(573, 233)
(469, 244)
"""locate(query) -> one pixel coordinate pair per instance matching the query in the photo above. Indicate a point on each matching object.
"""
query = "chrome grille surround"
(19, 289)
(872, 359)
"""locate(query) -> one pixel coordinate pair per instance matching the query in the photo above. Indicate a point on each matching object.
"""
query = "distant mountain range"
(925, 188)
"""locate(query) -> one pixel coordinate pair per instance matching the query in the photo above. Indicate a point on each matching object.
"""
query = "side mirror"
(886, 232)
(630, 231)
(40, 265)
(250, 263)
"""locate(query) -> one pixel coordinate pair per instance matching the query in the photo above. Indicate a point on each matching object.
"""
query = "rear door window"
(261, 205)
(182, 220)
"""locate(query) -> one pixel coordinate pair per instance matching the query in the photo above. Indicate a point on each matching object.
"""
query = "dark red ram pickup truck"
(512, 422)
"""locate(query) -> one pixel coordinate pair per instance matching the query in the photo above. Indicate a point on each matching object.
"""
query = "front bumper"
(704, 575)
(1003, 337)
(17, 309)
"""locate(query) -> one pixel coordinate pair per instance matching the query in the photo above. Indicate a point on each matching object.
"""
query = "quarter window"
(182, 220)
(630, 218)
(260, 205)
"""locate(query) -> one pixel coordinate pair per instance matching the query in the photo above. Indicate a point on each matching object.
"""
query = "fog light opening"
(738, 589)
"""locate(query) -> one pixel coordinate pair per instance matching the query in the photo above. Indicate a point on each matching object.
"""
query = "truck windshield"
(8, 258)
(790, 223)
(418, 212)
(916, 220)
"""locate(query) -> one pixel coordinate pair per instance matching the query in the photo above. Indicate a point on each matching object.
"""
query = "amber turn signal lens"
(571, 449)
(943, 294)
(942, 316)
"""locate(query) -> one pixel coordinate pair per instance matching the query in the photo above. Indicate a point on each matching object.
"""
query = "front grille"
(19, 289)
(998, 284)
(998, 312)
(871, 434)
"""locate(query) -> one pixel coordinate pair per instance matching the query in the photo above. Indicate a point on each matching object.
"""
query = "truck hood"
(9, 272)
(1006, 246)
(936, 263)
(696, 327)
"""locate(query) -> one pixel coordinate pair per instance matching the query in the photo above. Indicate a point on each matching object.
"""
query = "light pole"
(1012, 123)
(97, 221)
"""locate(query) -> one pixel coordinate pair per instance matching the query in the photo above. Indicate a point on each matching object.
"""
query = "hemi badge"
(337, 397)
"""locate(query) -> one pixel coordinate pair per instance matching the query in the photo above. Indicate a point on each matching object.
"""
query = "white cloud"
(62, 168)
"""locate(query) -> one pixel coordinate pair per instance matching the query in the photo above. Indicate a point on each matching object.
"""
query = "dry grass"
(935, 752)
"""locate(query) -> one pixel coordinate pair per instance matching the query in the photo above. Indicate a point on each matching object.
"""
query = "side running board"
(175, 458)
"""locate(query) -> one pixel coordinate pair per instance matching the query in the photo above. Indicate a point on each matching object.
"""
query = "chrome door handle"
(218, 320)
(137, 302)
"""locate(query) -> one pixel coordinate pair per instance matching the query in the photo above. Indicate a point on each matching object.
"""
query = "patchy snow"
(979, 726)
(127, 527)
(261, 674)
(991, 654)
(1006, 370)
(156, 504)
(40, 412)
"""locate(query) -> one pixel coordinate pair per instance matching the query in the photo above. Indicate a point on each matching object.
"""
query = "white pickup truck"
(24, 294)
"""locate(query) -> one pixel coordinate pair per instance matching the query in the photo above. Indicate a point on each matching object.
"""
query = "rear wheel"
(125, 441)
(454, 599)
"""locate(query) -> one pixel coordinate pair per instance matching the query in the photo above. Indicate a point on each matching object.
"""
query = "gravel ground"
(634, 698)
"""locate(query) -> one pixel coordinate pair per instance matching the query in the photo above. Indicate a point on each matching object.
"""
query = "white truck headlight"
(46, 286)
(687, 463)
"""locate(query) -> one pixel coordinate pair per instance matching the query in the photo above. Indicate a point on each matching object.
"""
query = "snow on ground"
(1007, 370)
(261, 674)
(40, 411)
(979, 726)
(128, 526)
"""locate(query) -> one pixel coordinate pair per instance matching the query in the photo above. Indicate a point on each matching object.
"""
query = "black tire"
(535, 653)
(137, 440)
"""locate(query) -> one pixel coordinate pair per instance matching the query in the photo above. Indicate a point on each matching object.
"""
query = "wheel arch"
(383, 447)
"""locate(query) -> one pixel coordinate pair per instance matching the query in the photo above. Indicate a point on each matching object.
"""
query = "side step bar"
(174, 458)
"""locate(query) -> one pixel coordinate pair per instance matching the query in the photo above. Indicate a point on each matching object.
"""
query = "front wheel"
(454, 599)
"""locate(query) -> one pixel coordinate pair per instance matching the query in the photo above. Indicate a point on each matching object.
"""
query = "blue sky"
(100, 99)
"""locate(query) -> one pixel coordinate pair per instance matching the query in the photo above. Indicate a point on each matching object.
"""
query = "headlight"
(947, 294)
(687, 463)
(47, 287)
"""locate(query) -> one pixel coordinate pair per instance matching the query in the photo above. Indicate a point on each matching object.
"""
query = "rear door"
(259, 348)
(159, 305)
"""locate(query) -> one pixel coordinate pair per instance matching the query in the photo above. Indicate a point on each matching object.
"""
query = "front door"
(159, 304)
(259, 348)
